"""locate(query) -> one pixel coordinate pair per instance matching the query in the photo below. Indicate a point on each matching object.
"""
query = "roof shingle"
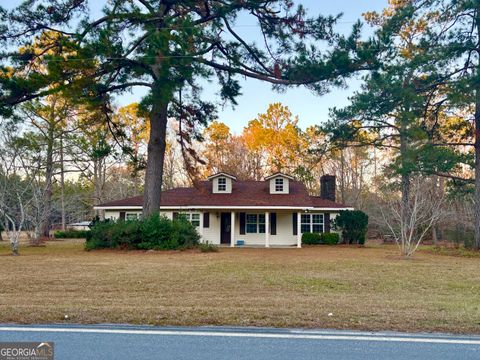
(244, 193)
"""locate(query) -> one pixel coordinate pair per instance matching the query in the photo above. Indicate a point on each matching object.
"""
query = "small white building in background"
(82, 225)
(273, 212)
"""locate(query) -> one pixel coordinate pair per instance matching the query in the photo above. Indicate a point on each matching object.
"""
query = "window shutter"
(206, 219)
(326, 219)
(273, 223)
(242, 223)
(175, 215)
(122, 215)
(294, 222)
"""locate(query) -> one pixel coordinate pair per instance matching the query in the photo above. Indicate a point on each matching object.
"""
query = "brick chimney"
(327, 187)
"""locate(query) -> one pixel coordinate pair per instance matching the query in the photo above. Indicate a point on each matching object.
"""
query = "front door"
(225, 228)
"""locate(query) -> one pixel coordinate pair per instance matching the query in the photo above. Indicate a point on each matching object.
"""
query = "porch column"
(299, 229)
(200, 230)
(267, 229)
(232, 229)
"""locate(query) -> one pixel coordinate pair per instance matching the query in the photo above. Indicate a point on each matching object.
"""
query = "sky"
(311, 109)
(256, 95)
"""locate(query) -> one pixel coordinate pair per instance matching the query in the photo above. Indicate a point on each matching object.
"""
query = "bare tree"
(12, 193)
(22, 189)
(13, 221)
(424, 209)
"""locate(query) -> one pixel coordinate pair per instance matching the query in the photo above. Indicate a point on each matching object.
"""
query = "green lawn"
(368, 288)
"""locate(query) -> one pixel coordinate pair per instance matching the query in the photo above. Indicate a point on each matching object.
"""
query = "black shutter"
(122, 215)
(242, 223)
(294, 222)
(206, 219)
(326, 218)
(175, 215)
(273, 223)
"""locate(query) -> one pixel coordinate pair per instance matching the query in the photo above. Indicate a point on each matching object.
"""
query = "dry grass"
(364, 288)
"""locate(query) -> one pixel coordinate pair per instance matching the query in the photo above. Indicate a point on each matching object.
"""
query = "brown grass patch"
(365, 288)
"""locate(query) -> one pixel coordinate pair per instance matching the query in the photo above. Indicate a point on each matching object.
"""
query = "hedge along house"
(273, 212)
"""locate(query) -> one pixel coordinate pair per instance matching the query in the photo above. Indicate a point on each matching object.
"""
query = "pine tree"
(169, 47)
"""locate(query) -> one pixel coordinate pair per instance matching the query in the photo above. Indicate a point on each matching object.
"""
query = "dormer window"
(279, 185)
(222, 184)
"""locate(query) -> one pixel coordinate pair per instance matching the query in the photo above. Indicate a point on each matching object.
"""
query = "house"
(273, 212)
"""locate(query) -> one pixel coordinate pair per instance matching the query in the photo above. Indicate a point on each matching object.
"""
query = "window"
(251, 223)
(305, 223)
(312, 223)
(222, 184)
(193, 218)
(261, 223)
(131, 216)
(255, 223)
(317, 223)
(279, 185)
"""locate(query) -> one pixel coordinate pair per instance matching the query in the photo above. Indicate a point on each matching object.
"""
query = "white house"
(273, 212)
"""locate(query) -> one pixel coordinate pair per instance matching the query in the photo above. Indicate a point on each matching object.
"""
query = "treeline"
(415, 120)
(58, 160)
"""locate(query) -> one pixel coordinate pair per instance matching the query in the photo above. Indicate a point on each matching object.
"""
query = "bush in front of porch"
(320, 238)
(155, 232)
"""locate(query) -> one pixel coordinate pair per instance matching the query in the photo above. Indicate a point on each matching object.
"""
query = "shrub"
(353, 224)
(71, 234)
(155, 232)
(311, 238)
(184, 234)
(330, 238)
(208, 247)
(109, 234)
(320, 238)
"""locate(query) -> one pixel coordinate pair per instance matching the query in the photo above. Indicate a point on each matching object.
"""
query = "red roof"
(244, 193)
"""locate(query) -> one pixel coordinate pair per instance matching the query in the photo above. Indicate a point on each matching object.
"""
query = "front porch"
(260, 228)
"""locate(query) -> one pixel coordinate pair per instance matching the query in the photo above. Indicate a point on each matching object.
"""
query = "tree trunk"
(477, 170)
(437, 194)
(99, 177)
(62, 185)
(342, 177)
(405, 185)
(15, 248)
(477, 138)
(156, 154)
(47, 196)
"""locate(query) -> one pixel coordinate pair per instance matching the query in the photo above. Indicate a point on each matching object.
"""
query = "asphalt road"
(140, 342)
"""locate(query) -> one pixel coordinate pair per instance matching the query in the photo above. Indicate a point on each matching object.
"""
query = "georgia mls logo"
(26, 351)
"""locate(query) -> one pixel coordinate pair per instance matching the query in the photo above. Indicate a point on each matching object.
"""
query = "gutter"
(200, 207)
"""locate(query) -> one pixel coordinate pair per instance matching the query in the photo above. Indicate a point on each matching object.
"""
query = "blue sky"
(311, 109)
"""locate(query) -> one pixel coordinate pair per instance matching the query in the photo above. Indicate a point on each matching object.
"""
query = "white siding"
(212, 233)
(115, 214)
(112, 214)
(283, 237)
